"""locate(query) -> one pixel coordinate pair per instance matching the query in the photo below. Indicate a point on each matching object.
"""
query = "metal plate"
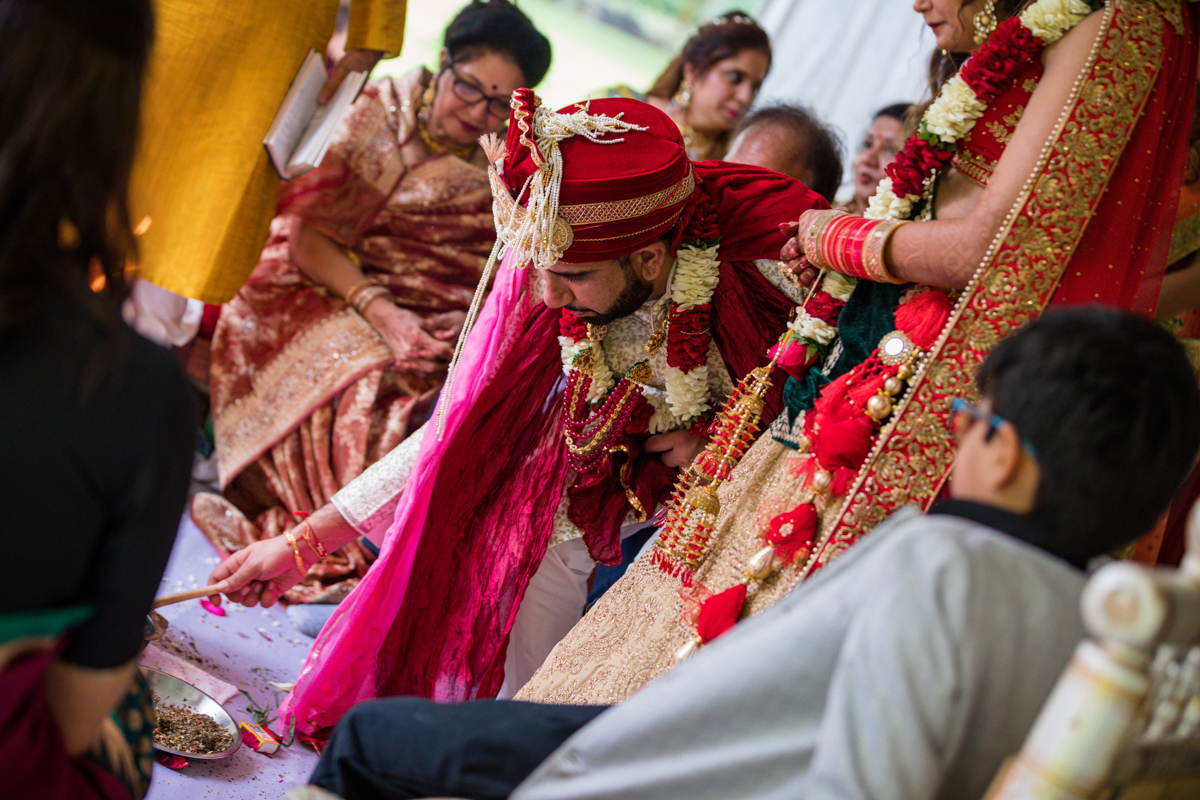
(173, 691)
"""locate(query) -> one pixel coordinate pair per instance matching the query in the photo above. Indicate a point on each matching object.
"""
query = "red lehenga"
(1090, 226)
(304, 395)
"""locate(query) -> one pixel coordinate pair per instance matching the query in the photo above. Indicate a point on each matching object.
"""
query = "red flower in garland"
(907, 177)
(993, 69)
(687, 337)
(929, 158)
(824, 307)
(571, 326)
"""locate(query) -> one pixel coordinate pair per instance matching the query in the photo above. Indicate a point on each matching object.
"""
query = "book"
(300, 134)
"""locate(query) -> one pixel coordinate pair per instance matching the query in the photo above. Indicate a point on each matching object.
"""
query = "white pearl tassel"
(485, 280)
(535, 233)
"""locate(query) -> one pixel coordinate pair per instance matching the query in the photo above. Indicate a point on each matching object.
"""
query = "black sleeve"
(154, 409)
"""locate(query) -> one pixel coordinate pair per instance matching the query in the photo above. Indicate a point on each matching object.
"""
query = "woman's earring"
(683, 97)
(985, 22)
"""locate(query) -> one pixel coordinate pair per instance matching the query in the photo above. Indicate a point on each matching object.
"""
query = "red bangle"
(852, 245)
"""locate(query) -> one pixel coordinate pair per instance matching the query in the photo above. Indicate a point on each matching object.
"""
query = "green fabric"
(43, 622)
(868, 316)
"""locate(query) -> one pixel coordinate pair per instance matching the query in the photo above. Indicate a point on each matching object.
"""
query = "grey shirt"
(908, 668)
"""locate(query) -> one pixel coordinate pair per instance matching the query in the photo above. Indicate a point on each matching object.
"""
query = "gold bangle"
(812, 239)
(358, 287)
(874, 251)
(303, 570)
(368, 295)
(353, 256)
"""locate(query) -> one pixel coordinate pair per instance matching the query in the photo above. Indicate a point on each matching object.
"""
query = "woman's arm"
(80, 699)
(1180, 289)
(946, 252)
(323, 261)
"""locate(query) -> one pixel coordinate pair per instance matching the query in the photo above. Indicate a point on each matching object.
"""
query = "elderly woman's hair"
(70, 90)
(724, 37)
(498, 26)
(813, 144)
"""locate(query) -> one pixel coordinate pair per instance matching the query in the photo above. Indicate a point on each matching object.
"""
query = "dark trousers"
(407, 747)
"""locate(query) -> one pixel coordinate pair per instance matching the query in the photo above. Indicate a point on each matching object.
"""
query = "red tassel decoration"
(923, 317)
(791, 531)
(720, 612)
(844, 444)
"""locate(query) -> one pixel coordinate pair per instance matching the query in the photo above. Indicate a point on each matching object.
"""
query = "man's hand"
(260, 573)
(353, 61)
(679, 448)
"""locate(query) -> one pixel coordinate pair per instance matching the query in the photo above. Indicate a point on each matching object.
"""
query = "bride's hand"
(792, 254)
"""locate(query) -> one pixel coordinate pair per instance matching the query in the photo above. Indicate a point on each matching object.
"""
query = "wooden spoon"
(190, 594)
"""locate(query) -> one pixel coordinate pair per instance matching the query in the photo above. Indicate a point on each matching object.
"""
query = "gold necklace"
(436, 147)
(696, 144)
(658, 336)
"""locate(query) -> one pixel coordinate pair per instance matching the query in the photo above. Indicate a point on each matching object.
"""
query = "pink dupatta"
(513, 344)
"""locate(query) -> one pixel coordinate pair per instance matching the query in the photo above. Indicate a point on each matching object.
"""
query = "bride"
(1055, 128)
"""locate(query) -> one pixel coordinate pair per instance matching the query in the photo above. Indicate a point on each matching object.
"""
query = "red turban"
(626, 181)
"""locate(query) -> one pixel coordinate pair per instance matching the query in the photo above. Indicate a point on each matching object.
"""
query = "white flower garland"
(806, 326)
(697, 273)
(954, 111)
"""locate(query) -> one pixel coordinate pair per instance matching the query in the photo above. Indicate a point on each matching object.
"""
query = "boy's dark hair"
(817, 146)
(1110, 402)
(70, 88)
(498, 26)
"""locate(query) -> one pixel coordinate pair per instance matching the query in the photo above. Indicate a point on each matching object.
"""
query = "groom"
(652, 284)
(910, 667)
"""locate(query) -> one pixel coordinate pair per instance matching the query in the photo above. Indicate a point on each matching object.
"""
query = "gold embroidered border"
(973, 166)
(1185, 238)
(507, 209)
(915, 451)
(314, 366)
(604, 213)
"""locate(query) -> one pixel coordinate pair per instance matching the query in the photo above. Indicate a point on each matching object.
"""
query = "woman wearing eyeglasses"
(345, 327)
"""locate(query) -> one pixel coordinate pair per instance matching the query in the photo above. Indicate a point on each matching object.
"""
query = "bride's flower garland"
(839, 430)
(697, 272)
(964, 98)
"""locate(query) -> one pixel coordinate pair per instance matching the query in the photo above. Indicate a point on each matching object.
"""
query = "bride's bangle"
(852, 245)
